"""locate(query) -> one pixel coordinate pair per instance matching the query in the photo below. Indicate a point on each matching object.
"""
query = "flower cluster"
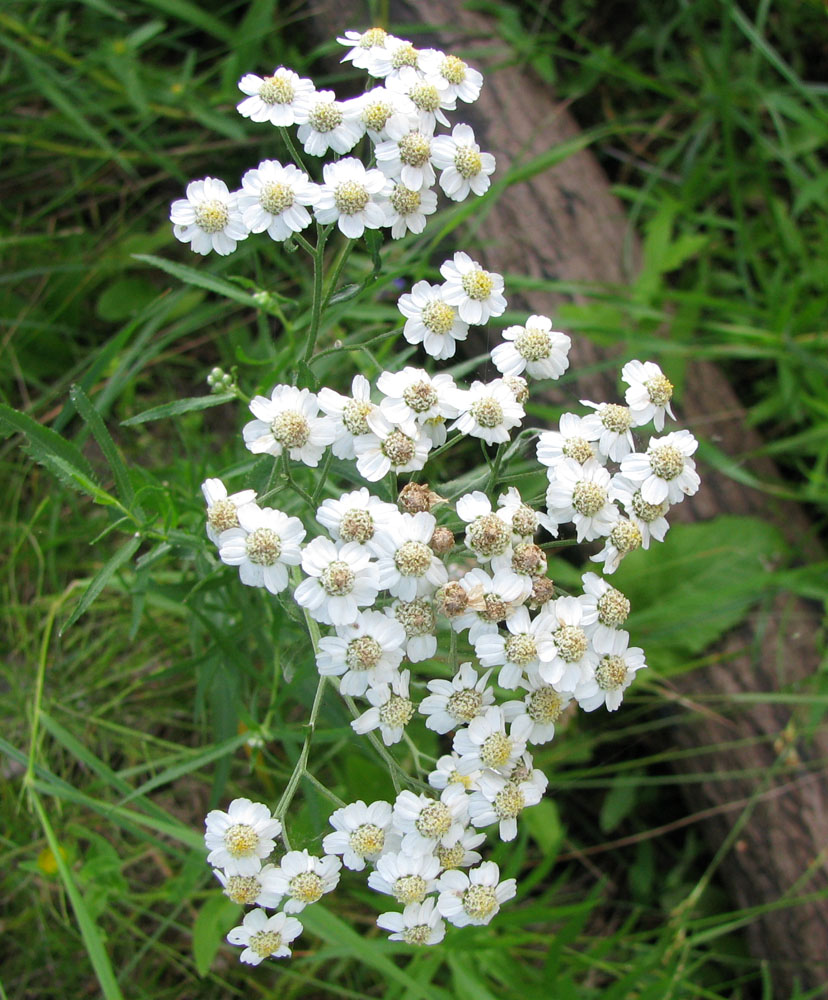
(389, 574)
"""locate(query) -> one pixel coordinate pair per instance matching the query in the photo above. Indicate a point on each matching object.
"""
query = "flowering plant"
(390, 599)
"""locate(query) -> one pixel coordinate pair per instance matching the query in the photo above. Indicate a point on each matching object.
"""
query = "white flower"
(665, 471)
(341, 579)
(349, 197)
(625, 537)
(575, 657)
(266, 542)
(389, 449)
(431, 321)
(390, 61)
(484, 743)
(649, 393)
(348, 413)
(462, 81)
(391, 710)
(288, 421)
(259, 889)
(573, 439)
(474, 898)
(501, 800)
(534, 348)
(488, 411)
(364, 46)
(273, 98)
(362, 833)
(240, 838)
(418, 619)
(356, 517)
(430, 96)
(418, 924)
(613, 675)
(610, 427)
(428, 823)
(456, 702)
(406, 210)
(542, 705)
(415, 399)
(208, 218)
(477, 293)
(461, 853)
(409, 878)
(273, 199)
(365, 654)
(528, 644)
(222, 510)
(264, 937)
(605, 610)
(584, 495)
(326, 124)
(406, 154)
(523, 519)
(446, 775)
(650, 518)
(408, 568)
(376, 107)
(464, 169)
(492, 600)
(305, 879)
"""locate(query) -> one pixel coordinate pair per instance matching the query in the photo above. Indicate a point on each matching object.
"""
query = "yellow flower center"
(325, 116)
(222, 515)
(496, 750)
(479, 901)
(276, 197)
(264, 547)
(241, 840)
(350, 197)
(611, 673)
(264, 943)
(438, 317)
(467, 162)
(588, 498)
(478, 284)
(276, 90)
(212, 216)
(415, 149)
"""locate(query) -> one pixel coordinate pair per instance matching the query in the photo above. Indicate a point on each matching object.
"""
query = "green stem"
(322, 233)
(294, 152)
(495, 469)
(323, 475)
(358, 347)
(344, 254)
(294, 485)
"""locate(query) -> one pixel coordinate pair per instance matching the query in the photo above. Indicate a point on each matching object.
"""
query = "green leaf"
(102, 578)
(179, 406)
(211, 925)
(201, 279)
(93, 420)
(544, 825)
(124, 298)
(44, 444)
(618, 803)
(686, 593)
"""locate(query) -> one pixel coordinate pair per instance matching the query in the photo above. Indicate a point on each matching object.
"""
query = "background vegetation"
(137, 671)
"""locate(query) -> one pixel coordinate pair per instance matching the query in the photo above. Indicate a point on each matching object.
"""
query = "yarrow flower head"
(665, 471)
(534, 348)
(239, 839)
(325, 123)
(273, 199)
(350, 196)
(273, 98)
(304, 879)
(474, 898)
(456, 702)
(464, 169)
(263, 545)
(289, 421)
(432, 321)
(391, 710)
(419, 924)
(342, 578)
(222, 510)
(365, 654)
(477, 293)
(208, 218)
(649, 393)
(265, 937)
(488, 411)
(361, 833)
(356, 517)
(613, 674)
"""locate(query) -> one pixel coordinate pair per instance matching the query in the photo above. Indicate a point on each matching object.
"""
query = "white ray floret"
(474, 898)
(365, 654)
(463, 81)
(356, 517)
(528, 644)
(488, 535)
(406, 155)
(364, 46)
(427, 823)
(419, 621)
(387, 448)
(264, 544)
(432, 321)
(361, 833)
(614, 673)
(649, 393)
(625, 537)
(665, 471)
(477, 293)
(408, 567)
(650, 518)
(582, 494)
(575, 657)
(463, 168)
(445, 774)
(350, 196)
(273, 199)
(534, 348)
(239, 839)
(394, 58)
(342, 578)
(288, 421)
(273, 98)
(264, 937)
(502, 799)
(376, 107)
(485, 743)
(405, 209)
(348, 413)
(605, 610)
(416, 400)
(574, 439)
(303, 878)
(419, 924)
(325, 123)
(610, 427)
(456, 702)
(222, 509)
(260, 889)
(488, 410)
(208, 218)
(492, 599)
(542, 705)
(391, 710)
(409, 878)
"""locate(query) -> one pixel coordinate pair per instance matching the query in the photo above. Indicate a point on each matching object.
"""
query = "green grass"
(135, 668)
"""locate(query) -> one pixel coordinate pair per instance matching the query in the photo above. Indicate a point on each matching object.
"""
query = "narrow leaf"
(201, 279)
(93, 420)
(179, 406)
(102, 578)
